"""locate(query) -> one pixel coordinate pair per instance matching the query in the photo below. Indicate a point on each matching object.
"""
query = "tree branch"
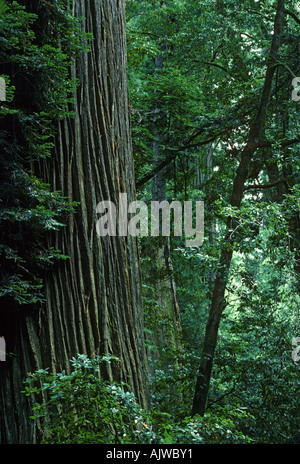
(283, 144)
(222, 396)
(188, 145)
(256, 139)
(217, 66)
(292, 14)
(266, 186)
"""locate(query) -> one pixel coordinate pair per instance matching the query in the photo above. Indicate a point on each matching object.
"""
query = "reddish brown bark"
(93, 300)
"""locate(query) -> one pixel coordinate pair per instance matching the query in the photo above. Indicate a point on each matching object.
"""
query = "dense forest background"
(143, 339)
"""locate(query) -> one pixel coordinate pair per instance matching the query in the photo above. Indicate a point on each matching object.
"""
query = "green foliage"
(218, 427)
(196, 71)
(31, 210)
(256, 369)
(82, 408)
(36, 54)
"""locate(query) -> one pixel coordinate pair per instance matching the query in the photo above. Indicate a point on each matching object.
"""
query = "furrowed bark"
(93, 300)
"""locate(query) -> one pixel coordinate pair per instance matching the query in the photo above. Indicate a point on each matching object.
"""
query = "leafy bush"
(214, 428)
(39, 90)
(81, 407)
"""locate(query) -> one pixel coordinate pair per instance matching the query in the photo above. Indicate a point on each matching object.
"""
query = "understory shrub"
(81, 408)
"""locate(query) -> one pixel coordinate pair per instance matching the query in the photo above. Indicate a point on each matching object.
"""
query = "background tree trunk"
(256, 135)
(166, 333)
(93, 300)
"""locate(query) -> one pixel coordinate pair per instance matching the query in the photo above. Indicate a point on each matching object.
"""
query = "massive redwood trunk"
(93, 300)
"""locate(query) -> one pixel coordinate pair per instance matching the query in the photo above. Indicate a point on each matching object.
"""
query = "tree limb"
(283, 144)
(176, 151)
(266, 186)
(222, 396)
(292, 14)
(217, 66)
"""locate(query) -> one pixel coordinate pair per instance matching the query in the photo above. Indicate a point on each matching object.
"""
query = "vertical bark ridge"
(93, 299)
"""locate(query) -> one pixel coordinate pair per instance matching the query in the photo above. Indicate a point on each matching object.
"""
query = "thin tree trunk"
(167, 333)
(256, 134)
(203, 174)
